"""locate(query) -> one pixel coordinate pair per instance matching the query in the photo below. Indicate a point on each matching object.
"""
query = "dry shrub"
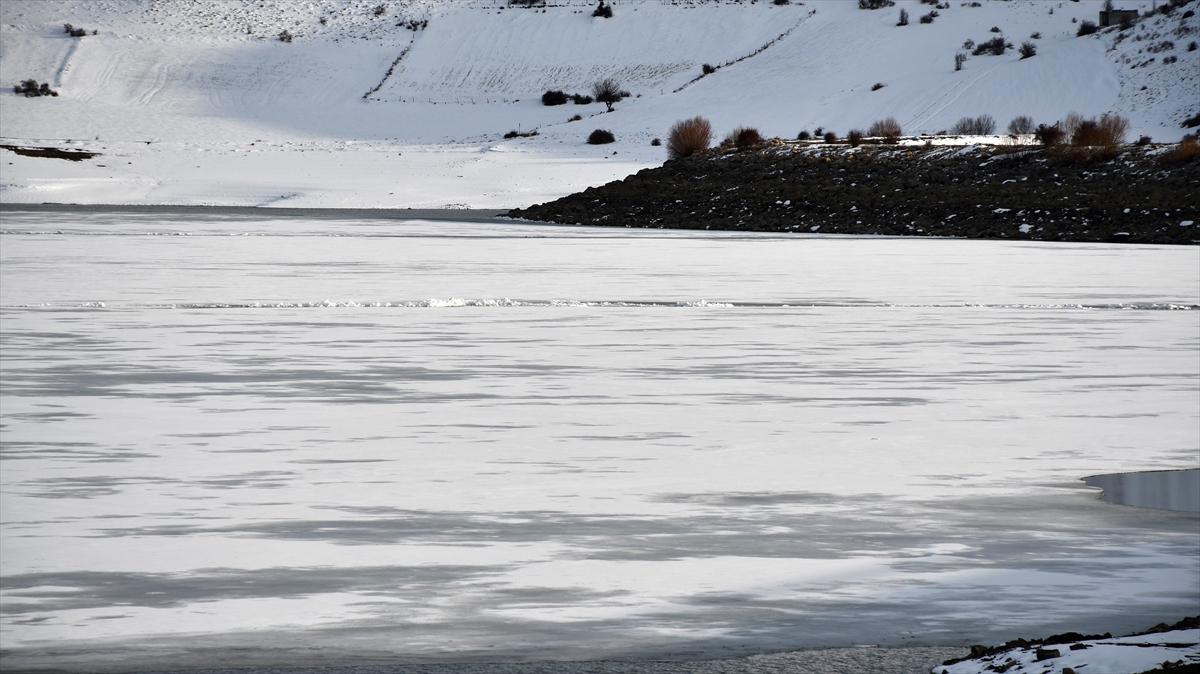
(1049, 135)
(688, 137)
(855, 137)
(1107, 132)
(888, 129)
(743, 137)
(1187, 149)
(1070, 123)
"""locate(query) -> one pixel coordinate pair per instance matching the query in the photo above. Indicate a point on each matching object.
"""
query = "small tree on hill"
(607, 91)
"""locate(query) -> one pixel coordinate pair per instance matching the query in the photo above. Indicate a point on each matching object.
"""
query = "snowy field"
(284, 440)
(200, 103)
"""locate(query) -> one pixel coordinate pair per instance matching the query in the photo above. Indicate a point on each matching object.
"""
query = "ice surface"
(235, 435)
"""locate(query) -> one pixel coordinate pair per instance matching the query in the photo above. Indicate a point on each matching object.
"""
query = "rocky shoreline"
(1015, 192)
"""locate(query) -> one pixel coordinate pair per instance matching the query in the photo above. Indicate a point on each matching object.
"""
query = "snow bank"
(362, 110)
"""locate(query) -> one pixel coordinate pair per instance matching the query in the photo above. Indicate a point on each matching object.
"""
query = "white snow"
(1119, 655)
(186, 107)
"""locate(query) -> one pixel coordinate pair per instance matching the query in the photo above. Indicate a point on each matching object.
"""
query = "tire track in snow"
(946, 100)
(66, 63)
(752, 54)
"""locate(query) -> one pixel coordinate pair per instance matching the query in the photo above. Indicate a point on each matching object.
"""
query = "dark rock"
(1047, 653)
(1134, 197)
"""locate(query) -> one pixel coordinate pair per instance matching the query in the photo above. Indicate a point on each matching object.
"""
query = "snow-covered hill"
(387, 103)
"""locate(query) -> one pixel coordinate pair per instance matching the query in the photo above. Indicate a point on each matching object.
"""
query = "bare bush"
(1049, 136)
(855, 137)
(1086, 28)
(903, 18)
(1069, 123)
(928, 18)
(959, 59)
(875, 4)
(688, 137)
(1021, 125)
(1107, 132)
(603, 11)
(1027, 50)
(888, 129)
(982, 125)
(607, 91)
(830, 137)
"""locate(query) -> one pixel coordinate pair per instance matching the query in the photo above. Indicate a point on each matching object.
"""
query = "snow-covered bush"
(600, 137)
(1021, 125)
(888, 129)
(688, 137)
(983, 125)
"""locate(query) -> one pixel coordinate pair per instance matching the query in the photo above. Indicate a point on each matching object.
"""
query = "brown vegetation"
(688, 137)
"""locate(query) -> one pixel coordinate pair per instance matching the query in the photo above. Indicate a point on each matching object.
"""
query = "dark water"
(912, 660)
(1163, 489)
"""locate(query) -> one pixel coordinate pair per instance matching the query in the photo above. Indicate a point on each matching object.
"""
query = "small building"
(1116, 17)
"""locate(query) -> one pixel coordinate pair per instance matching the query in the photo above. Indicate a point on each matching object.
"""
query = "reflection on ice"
(1163, 489)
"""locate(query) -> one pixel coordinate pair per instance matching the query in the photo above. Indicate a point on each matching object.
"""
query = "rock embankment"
(983, 192)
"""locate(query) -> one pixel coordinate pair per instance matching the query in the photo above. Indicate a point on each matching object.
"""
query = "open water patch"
(1161, 489)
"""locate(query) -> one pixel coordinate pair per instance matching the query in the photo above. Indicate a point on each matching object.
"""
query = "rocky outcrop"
(984, 192)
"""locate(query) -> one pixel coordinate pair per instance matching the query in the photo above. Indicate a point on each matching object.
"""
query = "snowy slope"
(362, 110)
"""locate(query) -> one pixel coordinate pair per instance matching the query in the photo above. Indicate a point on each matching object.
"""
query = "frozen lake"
(256, 439)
